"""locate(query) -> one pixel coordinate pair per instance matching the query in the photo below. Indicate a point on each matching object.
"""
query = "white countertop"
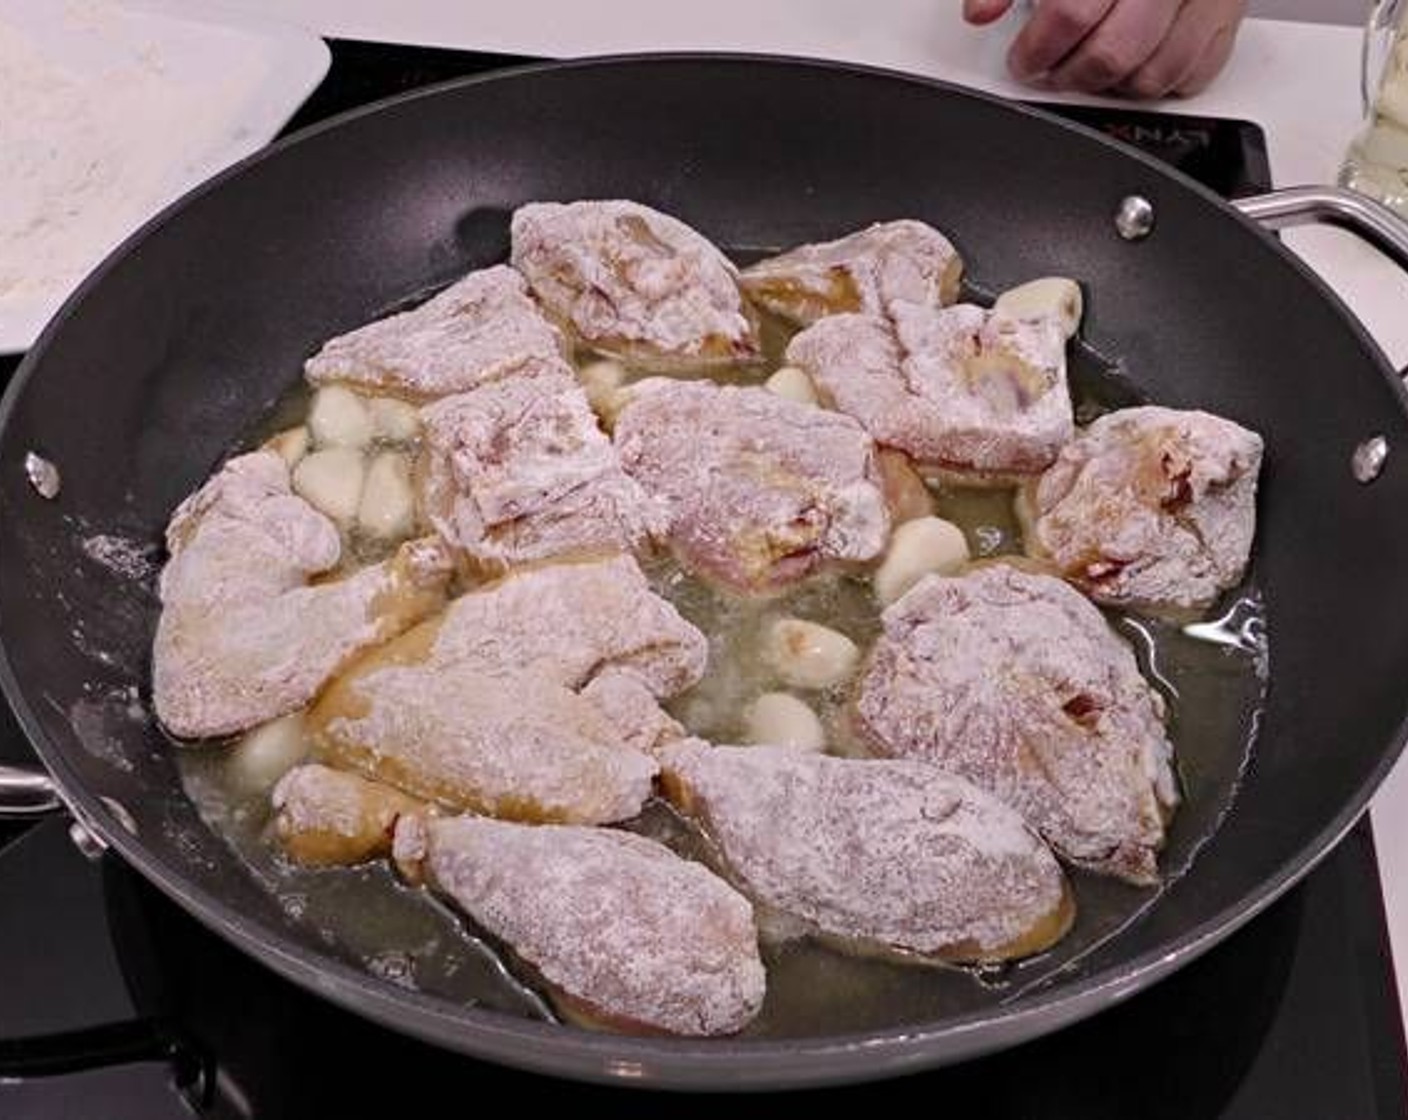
(1307, 121)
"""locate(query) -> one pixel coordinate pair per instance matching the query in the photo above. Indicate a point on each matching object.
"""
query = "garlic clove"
(1051, 297)
(331, 481)
(808, 655)
(604, 382)
(779, 719)
(793, 384)
(339, 418)
(267, 753)
(917, 548)
(392, 420)
(387, 506)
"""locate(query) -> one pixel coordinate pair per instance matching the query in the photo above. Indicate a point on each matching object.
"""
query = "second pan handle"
(1371, 221)
(27, 792)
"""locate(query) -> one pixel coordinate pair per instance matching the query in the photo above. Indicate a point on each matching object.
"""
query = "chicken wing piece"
(634, 283)
(760, 491)
(576, 620)
(518, 745)
(626, 935)
(972, 396)
(475, 331)
(1151, 508)
(642, 724)
(876, 855)
(868, 271)
(331, 818)
(243, 636)
(534, 699)
(1016, 682)
(518, 471)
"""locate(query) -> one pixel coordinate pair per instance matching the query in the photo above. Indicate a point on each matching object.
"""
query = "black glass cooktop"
(116, 1005)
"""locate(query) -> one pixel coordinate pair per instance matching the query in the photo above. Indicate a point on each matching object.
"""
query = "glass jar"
(1376, 163)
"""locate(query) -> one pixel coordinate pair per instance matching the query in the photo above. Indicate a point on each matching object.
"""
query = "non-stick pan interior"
(183, 342)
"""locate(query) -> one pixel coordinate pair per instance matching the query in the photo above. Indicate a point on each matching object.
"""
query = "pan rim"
(721, 1064)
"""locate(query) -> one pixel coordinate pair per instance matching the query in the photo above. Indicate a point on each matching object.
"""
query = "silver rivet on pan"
(1368, 459)
(42, 475)
(119, 810)
(1135, 217)
(87, 841)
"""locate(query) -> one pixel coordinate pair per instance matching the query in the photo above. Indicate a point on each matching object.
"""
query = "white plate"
(108, 111)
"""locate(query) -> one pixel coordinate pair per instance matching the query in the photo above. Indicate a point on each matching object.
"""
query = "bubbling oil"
(1212, 676)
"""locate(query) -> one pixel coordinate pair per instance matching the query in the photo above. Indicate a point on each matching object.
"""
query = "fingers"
(1213, 59)
(985, 11)
(1193, 52)
(1117, 47)
(1140, 48)
(1055, 28)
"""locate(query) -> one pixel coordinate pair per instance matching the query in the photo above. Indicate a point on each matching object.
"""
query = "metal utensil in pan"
(182, 341)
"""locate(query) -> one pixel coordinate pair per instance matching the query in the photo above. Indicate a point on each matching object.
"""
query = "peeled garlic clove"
(267, 753)
(807, 654)
(1051, 297)
(604, 382)
(778, 719)
(291, 444)
(604, 373)
(918, 547)
(339, 418)
(793, 384)
(393, 420)
(331, 481)
(387, 508)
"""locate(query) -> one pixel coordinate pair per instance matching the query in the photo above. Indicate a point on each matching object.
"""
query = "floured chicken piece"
(1016, 682)
(536, 698)
(243, 636)
(634, 283)
(761, 491)
(476, 330)
(332, 818)
(518, 744)
(869, 270)
(626, 934)
(1149, 508)
(970, 395)
(877, 855)
(581, 619)
(637, 718)
(517, 471)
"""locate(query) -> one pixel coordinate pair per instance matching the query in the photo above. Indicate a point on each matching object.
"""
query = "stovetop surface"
(115, 1004)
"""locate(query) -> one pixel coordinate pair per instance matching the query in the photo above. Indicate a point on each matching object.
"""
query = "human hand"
(1137, 48)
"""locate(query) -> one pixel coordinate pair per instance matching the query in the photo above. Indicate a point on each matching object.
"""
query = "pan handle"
(25, 792)
(1337, 206)
(116, 1044)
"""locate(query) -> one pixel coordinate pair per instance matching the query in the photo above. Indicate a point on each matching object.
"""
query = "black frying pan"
(180, 344)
